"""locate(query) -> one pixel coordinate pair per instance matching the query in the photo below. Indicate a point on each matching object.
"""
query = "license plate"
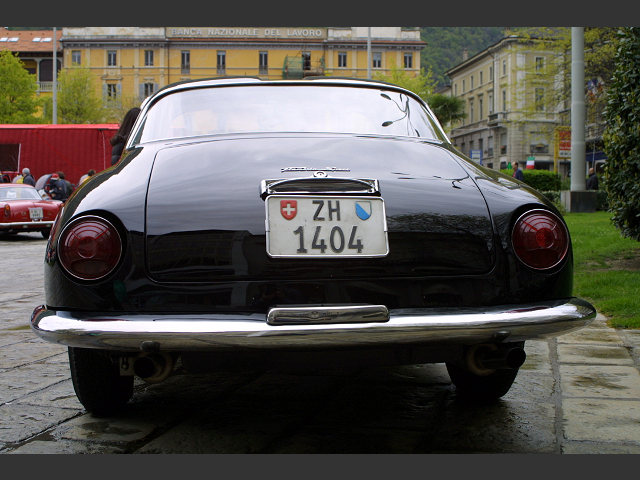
(35, 213)
(326, 226)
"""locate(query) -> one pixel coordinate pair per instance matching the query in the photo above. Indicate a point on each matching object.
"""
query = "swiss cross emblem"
(288, 209)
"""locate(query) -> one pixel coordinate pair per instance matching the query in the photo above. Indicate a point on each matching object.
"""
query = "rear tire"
(45, 233)
(484, 388)
(97, 381)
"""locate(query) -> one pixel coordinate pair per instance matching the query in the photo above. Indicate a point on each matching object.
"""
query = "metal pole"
(369, 53)
(578, 158)
(55, 80)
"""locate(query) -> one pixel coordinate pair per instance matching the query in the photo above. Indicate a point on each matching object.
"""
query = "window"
(455, 89)
(112, 91)
(112, 58)
(491, 72)
(76, 57)
(376, 61)
(470, 111)
(464, 88)
(503, 143)
(185, 61)
(148, 88)
(342, 59)
(490, 146)
(408, 60)
(480, 102)
(306, 60)
(263, 62)
(471, 82)
(539, 64)
(538, 143)
(539, 99)
(504, 100)
(148, 58)
(490, 100)
(221, 62)
(504, 67)
(480, 78)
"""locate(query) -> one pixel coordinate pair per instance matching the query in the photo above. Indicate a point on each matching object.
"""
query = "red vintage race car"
(24, 210)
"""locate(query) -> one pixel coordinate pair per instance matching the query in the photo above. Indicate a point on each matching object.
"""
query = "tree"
(422, 84)
(622, 135)
(447, 108)
(444, 107)
(77, 100)
(18, 100)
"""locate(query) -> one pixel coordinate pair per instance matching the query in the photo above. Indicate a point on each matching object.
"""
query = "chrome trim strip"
(221, 331)
(330, 185)
(316, 314)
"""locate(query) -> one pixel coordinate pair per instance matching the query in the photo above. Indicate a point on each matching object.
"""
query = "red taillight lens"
(540, 239)
(7, 210)
(89, 248)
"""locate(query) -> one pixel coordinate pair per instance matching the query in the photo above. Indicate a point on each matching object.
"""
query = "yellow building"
(133, 62)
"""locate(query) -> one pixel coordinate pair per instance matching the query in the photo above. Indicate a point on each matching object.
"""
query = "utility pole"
(55, 80)
(369, 53)
(578, 162)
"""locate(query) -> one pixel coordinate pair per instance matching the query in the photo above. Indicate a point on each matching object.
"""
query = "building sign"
(563, 142)
(476, 155)
(247, 32)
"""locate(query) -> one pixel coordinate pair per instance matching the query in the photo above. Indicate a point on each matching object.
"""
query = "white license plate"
(36, 213)
(326, 226)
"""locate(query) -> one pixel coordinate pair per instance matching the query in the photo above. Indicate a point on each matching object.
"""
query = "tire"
(97, 381)
(484, 388)
(45, 233)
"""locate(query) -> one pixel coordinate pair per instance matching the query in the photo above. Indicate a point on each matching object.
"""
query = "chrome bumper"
(169, 332)
(20, 225)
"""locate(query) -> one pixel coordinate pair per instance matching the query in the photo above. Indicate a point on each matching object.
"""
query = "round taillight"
(89, 248)
(540, 239)
(7, 210)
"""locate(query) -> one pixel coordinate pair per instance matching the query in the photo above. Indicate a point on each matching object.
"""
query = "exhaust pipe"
(486, 358)
(153, 367)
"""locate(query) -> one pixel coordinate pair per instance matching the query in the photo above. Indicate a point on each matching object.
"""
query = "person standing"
(27, 177)
(84, 177)
(592, 181)
(122, 135)
(517, 173)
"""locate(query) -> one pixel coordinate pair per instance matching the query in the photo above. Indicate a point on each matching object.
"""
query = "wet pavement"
(577, 393)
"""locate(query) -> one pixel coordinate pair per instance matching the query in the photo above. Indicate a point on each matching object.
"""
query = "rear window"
(19, 193)
(291, 108)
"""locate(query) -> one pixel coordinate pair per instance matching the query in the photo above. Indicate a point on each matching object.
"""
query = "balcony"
(496, 118)
(45, 86)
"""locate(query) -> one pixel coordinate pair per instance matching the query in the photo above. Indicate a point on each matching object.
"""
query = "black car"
(315, 221)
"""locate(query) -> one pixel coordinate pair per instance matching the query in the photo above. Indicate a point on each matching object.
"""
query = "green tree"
(422, 84)
(622, 135)
(18, 100)
(444, 107)
(77, 100)
(447, 108)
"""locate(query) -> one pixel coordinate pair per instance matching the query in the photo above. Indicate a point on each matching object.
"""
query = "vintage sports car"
(24, 210)
(300, 222)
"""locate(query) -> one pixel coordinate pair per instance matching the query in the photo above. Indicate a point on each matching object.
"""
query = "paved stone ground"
(577, 393)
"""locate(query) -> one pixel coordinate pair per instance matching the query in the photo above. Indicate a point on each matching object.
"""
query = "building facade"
(511, 114)
(130, 63)
(35, 49)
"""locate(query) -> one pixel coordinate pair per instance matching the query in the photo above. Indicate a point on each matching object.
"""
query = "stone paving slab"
(21, 422)
(594, 354)
(20, 382)
(602, 420)
(601, 381)
(592, 335)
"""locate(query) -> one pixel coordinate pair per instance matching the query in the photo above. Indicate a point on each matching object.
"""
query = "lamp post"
(369, 53)
(54, 118)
